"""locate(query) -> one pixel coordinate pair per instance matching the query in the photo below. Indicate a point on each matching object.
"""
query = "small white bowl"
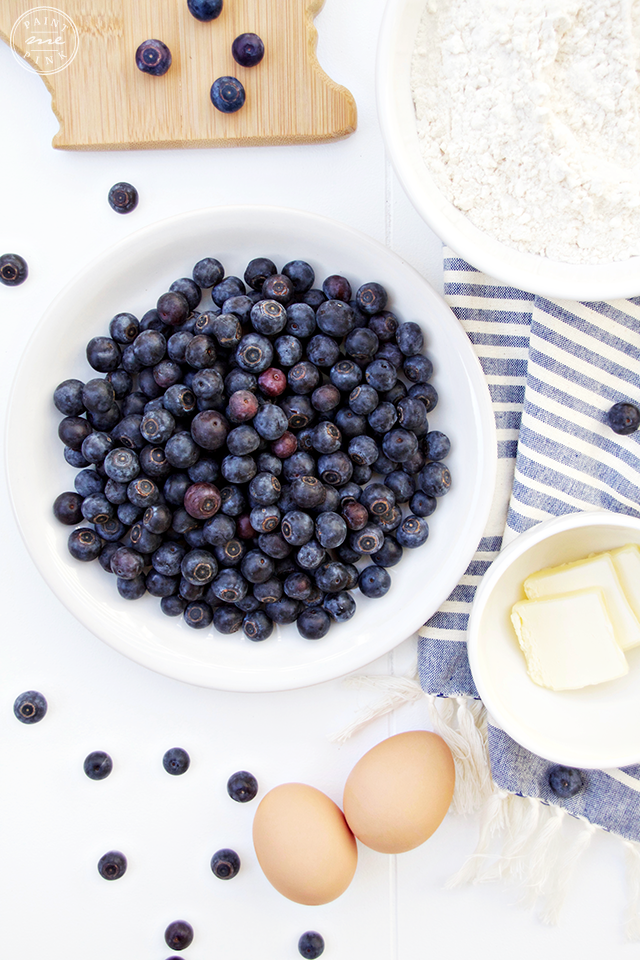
(596, 727)
(536, 274)
(130, 277)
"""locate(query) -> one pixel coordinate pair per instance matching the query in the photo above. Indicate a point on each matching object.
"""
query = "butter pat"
(568, 640)
(626, 561)
(596, 571)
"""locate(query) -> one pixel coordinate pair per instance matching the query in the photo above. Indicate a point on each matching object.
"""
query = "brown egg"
(303, 844)
(396, 796)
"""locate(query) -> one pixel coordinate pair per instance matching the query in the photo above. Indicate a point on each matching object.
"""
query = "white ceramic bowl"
(397, 119)
(595, 727)
(131, 277)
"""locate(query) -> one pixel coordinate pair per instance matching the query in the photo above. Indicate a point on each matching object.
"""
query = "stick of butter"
(626, 561)
(595, 571)
(568, 640)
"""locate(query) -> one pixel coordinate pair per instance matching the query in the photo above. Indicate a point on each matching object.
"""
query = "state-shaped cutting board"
(103, 102)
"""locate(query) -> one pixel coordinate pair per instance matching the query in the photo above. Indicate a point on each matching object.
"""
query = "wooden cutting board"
(103, 102)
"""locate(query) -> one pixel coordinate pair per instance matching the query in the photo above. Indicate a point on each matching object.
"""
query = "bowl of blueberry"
(262, 448)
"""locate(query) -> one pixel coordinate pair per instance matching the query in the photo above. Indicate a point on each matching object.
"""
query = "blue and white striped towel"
(553, 368)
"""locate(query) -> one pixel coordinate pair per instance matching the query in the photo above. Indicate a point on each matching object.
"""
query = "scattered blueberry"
(98, 765)
(205, 10)
(178, 935)
(176, 761)
(247, 49)
(30, 707)
(123, 197)
(227, 94)
(311, 945)
(112, 865)
(623, 418)
(13, 269)
(154, 57)
(565, 781)
(225, 864)
(242, 786)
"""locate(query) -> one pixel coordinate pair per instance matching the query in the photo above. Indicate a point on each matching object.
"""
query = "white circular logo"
(44, 39)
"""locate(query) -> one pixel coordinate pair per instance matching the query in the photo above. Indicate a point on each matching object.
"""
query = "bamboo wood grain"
(103, 102)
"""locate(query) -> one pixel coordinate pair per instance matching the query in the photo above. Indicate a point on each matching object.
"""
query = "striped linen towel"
(554, 368)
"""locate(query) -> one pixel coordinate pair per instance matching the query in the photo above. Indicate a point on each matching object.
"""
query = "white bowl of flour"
(514, 127)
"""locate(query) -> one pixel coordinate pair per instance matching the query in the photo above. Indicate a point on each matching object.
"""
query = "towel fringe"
(397, 691)
(535, 855)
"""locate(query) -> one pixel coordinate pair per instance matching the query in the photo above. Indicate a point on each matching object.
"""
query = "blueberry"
(67, 508)
(340, 606)
(301, 274)
(425, 392)
(167, 559)
(304, 377)
(227, 619)
(103, 354)
(323, 351)
(382, 419)
(389, 553)
(399, 444)
(112, 865)
(154, 57)
(67, 397)
(371, 298)
(434, 479)
(417, 368)
(412, 532)
(84, 544)
(227, 94)
(205, 10)
(229, 586)
(345, 375)
(335, 468)
(336, 287)
(13, 269)
(259, 268)
(374, 582)
(208, 272)
(311, 945)
(311, 555)
(178, 934)
(89, 481)
(297, 527)
(331, 577)
(422, 504)
(123, 198)
(176, 761)
(335, 318)
(30, 707)
(219, 530)
(412, 414)
(284, 611)
(363, 399)
(409, 338)
(623, 418)
(173, 606)
(313, 623)
(401, 484)
(98, 765)
(565, 781)
(301, 320)
(288, 350)
(437, 445)
(362, 345)
(247, 49)
(257, 626)
(331, 530)
(225, 864)
(367, 540)
(198, 614)
(325, 398)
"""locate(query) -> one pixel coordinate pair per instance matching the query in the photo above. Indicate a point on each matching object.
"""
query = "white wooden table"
(54, 822)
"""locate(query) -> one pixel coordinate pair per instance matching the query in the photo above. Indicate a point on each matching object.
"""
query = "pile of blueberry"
(240, 461)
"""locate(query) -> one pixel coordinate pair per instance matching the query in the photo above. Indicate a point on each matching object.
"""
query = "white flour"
(528, 119)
